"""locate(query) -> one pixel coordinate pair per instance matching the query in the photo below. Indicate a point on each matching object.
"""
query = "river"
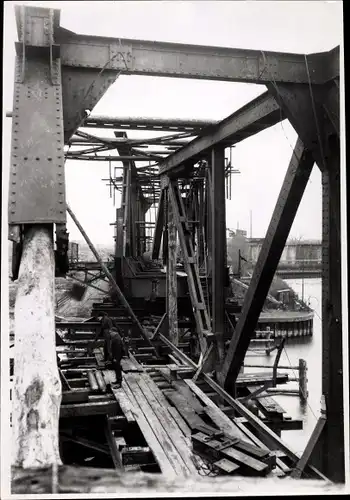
(309, 349)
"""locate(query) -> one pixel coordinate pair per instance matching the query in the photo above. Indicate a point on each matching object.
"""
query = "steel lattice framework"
(60, 74)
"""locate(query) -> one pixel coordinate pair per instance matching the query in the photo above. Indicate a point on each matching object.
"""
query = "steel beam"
(140, 57)
(136, 123)
(261, 113)
(218, 215)
(37, 187)
(158, 230)
(292, 190)
(72, 156)
(328, 454)
(302, 105)
(81, 90)
(80, 141)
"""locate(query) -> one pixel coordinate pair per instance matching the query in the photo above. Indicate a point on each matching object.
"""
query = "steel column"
(218, 217)
(158, 230)
(329, 452)
(292, 190)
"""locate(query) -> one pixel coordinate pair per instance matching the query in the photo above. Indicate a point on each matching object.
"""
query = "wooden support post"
(172, 279)
(218, 217)
(303, 393)
(37, 387)
(292, 190)
(119, 248)
(275, 365)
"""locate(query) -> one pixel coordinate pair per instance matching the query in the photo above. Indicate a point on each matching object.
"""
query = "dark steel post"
(328, 454)
(218, 217)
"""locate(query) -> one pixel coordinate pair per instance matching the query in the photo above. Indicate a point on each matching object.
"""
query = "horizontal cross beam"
(140, 123)
(261, 113)
(140, 57)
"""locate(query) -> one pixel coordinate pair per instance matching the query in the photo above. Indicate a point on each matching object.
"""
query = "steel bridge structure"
(184, 176)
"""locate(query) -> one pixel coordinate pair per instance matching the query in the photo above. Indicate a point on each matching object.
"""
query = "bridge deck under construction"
(163, 419)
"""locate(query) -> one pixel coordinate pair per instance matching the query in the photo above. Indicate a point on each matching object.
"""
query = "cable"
(273, 81)
(100, 73)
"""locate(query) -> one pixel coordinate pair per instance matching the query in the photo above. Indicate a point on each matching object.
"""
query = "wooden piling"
(172, 279)
(303, 392)
(37, 386)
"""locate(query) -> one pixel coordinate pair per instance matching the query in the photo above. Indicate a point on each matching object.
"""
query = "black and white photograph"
(174, 296)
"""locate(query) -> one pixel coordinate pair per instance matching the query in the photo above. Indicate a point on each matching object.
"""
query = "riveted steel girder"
(37, 187)
(261, 113)
(140, 57)
(292, 190)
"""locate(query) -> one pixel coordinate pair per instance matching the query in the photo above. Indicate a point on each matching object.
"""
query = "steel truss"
(60, 75)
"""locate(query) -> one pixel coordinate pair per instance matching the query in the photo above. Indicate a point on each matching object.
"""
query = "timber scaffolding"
(171, 405)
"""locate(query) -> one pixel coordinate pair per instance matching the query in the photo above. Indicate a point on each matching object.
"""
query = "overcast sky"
(298, 26)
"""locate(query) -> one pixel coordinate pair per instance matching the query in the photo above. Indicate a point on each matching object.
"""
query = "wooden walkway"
(184, 427)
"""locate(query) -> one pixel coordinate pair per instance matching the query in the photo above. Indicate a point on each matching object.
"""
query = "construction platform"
(162, 419)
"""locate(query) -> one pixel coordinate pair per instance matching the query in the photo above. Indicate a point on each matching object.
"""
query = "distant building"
(295, 252)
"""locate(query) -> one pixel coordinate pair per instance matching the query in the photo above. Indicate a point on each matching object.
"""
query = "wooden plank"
(80, 382)
(165, 465)
(115, 453)
(267, 405)
(85, 442)
(124, 403)
(180, 422)
(280, 464)
(248, 379)
(232, 454)
(175, 360)
(86, 409)
(217, 416)
(226, 466)
(182, 387)
(224, 425)
(79, 361)
(165, 403)
(168, 424)
(65, 384)
(152, 418)
(109, 376)
(165, 373)
(181, 404)
(75, 396)
(94, 398)
(99, 357)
